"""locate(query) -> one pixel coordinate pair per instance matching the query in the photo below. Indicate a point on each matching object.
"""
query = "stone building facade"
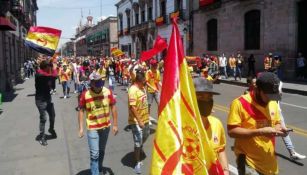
(252, 27)
(140, 21)
(16, 17)
(96, 40)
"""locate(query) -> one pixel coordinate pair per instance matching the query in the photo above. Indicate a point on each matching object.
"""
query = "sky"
(66, 14)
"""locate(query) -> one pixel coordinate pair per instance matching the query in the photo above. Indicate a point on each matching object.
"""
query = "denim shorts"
(140, 135)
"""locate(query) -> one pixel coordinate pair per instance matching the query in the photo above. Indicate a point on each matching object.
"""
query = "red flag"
(159, 46)
(181, 145)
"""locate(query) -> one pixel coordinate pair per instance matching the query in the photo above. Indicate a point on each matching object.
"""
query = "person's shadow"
(129, 159)
(105, 170)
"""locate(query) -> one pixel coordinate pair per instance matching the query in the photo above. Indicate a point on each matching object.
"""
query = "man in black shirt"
(43, 81)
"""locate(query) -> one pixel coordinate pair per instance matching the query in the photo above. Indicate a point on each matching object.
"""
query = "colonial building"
(140, 21)
(252, 27)
(16, 17)
(96, 40)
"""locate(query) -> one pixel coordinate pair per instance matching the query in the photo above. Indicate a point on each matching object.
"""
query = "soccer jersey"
(102, 72)
(216, 134)
(65, 75)
(153, 79)
(97, 106)
(137, 98)
(245, 112)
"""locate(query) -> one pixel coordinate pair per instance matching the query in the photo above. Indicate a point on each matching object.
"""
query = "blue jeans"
(287, 139)
(239, 72)
(140, 135)
(97, 140)
(223, 71)
(111, 83)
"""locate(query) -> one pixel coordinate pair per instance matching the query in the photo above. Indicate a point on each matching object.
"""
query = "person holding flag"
(213, 125)
(138, 116)
(181, 144)
(43, 80)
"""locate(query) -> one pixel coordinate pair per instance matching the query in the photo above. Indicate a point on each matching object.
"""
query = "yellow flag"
(181, 145)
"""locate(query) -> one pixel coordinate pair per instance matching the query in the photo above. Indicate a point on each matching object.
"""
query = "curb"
(286, 90)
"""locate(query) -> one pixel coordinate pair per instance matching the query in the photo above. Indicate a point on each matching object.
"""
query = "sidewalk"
(293, 88)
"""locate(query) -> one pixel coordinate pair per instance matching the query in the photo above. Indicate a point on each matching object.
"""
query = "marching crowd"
(255, 118)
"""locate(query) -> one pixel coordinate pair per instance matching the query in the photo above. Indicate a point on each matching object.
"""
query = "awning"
(5, 24)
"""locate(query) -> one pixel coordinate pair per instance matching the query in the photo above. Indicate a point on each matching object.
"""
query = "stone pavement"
(288, 87)
(20, 154)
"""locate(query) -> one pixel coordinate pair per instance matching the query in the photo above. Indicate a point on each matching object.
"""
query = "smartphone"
(289, 130)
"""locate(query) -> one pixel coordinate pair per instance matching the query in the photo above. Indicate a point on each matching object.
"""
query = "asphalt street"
(20, 154)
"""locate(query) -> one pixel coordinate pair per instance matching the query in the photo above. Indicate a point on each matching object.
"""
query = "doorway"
(302, 27)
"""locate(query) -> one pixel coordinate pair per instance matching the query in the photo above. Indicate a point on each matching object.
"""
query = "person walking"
(138, 119)
(223, 65)
(254, 120)
(268, 60)
(65, 78)
(43, 79)
(239, 66)
(213, 125)
(153, 79)
(232, 65)
(99, 104)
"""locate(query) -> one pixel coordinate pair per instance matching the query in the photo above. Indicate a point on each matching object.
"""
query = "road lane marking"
(302, 107)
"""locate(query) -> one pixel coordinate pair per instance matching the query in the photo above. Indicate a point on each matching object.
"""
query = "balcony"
(142, 27)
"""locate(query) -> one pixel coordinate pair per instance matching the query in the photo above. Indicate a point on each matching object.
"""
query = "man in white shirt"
(223, 65)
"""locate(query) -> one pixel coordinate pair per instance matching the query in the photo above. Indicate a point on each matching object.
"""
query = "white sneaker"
(137, 168)
(297, 156)
(65, 97)
(75, 92)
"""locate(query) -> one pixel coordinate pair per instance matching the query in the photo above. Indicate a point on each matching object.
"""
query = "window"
(212, 35)
(178, 5)
(120, 22)
(128, 22)
(163, 8)
(252, 30)
(143, 16)
(136, 18)
(149, 13)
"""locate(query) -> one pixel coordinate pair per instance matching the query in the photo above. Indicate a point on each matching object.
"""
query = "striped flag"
(43, 39)
(117, 52)
(181, 145)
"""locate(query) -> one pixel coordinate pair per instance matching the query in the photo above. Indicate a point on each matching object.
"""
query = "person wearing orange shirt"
(65, 79)
(233, 66)
(268, 60)
(213, 126)
(254, 122)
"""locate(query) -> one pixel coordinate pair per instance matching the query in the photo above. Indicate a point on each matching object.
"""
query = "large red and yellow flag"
(43, 39)
(181, 145)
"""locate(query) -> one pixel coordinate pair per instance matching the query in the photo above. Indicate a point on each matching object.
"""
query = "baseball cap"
(269, 83)
(95, 76)
(153, 62)
(203, 85)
